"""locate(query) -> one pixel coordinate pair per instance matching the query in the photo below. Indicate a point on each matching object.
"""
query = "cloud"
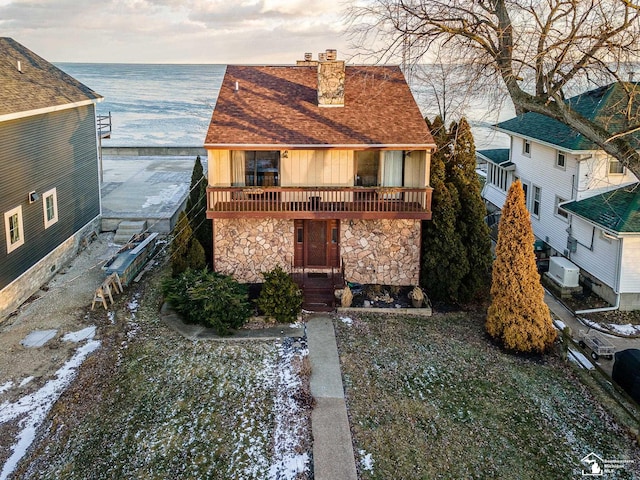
(203, 31)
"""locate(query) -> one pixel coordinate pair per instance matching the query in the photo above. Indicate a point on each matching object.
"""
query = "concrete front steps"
(128, 228)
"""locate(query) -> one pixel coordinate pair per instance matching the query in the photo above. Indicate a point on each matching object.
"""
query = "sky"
(176, 31)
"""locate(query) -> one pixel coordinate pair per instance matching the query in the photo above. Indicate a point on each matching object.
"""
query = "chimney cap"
(331, 54)
(322, 57)
(308, 56)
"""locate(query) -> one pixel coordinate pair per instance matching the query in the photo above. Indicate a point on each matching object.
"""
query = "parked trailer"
(597, 343)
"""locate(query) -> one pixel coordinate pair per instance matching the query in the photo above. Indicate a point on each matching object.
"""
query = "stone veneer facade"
(245, 248)
(385, 252)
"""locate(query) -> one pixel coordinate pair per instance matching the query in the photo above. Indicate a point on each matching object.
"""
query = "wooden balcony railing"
(319, 202)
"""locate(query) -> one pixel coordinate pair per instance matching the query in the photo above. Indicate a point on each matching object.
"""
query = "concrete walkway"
(333, 457)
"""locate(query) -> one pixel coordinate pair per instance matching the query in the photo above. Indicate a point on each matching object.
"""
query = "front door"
(316, 243)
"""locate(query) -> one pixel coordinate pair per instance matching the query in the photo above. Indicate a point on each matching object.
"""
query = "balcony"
(319, 202)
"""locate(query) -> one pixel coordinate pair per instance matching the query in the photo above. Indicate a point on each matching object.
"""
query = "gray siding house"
(49, 179)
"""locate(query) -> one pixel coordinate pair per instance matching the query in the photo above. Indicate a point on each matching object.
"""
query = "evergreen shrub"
(209, 298)
(280, 297)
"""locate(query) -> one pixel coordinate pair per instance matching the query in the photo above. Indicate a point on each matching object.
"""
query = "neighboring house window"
(560, 213)
(526, 147)
(13, 228)
(50, 207)
(255, 168)
(615, 166)
(561, 160)
(535, 201)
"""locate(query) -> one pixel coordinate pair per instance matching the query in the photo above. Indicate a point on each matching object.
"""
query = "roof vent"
(19, 66)
(237, 87)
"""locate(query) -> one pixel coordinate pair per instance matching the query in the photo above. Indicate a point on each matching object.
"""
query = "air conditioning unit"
(564, 272)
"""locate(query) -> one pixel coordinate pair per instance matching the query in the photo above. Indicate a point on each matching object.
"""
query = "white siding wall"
(630, 282)
(595, 254)
(594, 177)
(540, 170)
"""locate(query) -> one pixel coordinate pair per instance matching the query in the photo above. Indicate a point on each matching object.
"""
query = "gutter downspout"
(617, 305)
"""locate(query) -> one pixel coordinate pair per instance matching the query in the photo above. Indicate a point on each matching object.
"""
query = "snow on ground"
(347, 321)
(32, 409)
(25, 381)
(290, 423)
(626, 330)
(366, 460)
(6, 386)
(80, 335)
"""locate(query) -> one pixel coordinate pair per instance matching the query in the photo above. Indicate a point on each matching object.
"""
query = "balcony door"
(316, 243)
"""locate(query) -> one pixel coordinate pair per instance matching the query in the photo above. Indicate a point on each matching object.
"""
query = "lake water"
(171, 105)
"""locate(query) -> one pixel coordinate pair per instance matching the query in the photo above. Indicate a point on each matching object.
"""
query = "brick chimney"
(330, 80)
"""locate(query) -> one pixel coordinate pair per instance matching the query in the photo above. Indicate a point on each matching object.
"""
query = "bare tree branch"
(540, 50)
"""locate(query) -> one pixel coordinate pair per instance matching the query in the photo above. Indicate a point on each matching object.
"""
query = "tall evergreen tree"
(197, 211)
(186, 251)
(474, 232)
(443, 261)
(518, 316)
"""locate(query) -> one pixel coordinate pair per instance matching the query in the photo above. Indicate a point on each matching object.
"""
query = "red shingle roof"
(278, 106)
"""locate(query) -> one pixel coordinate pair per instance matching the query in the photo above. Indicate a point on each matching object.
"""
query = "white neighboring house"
(584, 204)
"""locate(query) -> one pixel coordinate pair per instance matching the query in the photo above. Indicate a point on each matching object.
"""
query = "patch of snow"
(560, 325)
(366, 460)
(80, 335)
(25, 381)
(579, 359)
(628, 329)
(346, 320)
(133, 305)
(287, 464)
(34, 407)
(6, 386)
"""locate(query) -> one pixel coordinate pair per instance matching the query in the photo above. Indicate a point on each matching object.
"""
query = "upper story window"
(255, 168)
(616, 167)
(561, 160)
(560, 213)
(535, 201)
(50, 207)
(526, 147)
(14, 229)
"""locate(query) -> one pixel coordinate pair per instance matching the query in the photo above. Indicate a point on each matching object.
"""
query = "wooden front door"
(317, 243)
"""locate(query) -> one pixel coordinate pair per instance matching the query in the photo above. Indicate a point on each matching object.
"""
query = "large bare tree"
(540, 50)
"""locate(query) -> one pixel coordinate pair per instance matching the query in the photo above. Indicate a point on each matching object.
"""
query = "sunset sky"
(176, 31)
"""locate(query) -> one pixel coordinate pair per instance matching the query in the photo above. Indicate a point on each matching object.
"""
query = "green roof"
(495, 155)
(617, 210)
(604, 106)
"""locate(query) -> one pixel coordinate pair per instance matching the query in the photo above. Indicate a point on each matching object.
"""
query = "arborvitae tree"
(518, 316)
(471, 226)
(186, 251)
(197, 211)
(443, 261)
